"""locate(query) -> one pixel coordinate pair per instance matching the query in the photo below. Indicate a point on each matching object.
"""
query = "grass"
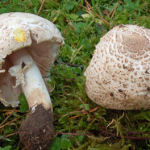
(80, 124)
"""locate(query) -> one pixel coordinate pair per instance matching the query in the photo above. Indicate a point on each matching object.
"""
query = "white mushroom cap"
(41, 39)
(118, 76)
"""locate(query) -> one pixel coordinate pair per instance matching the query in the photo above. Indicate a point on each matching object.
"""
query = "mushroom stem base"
(37, 130)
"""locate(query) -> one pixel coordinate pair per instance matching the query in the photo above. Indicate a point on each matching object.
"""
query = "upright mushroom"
(28, 47)
(118, 76)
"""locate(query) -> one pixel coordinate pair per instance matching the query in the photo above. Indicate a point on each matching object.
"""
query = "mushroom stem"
(36, 131)
(34, 88)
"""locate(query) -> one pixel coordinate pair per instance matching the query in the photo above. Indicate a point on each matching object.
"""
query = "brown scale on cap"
(118, 74)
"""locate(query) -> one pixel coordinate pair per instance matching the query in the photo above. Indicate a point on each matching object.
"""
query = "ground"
(80, 123)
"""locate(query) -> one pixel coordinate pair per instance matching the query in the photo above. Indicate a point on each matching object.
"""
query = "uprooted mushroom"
(118, 76)
(28, 47)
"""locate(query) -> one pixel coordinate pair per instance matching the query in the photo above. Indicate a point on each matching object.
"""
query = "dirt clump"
(37, 130)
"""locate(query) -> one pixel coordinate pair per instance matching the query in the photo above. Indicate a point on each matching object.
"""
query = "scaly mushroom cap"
(118, 76)
(41, 39)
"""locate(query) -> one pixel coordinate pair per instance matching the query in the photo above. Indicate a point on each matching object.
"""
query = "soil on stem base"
(37, 130)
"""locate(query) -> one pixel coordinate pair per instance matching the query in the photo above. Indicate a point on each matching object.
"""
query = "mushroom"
(28, 47)
(118, 76)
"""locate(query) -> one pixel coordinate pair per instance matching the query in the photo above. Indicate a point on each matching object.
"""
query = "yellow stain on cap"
(19, 35)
